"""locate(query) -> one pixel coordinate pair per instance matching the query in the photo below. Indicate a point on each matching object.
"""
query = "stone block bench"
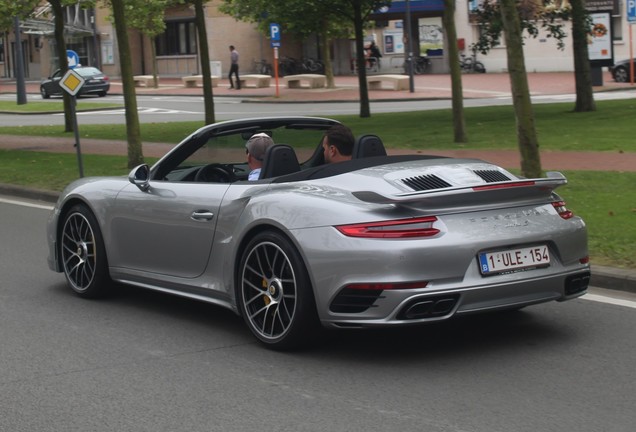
(197, 80)
(312, 80)
(144, 80)
(255, 80)
(396, 82)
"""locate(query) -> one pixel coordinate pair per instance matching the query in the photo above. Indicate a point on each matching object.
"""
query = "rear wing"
(523, 190)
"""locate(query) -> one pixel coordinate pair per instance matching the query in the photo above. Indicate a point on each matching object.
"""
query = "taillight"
(559, 206)
(402, 228)
(105, 78)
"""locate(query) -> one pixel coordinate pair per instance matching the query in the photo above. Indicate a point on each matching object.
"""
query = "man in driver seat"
(256, 147)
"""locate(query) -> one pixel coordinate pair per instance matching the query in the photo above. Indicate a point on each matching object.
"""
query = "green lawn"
(606, 200)
(611, 128)
(56, 105)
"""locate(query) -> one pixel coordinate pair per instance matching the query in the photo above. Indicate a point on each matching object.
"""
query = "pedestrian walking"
(234, 68)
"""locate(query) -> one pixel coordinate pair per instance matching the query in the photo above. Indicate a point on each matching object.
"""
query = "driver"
(256, 147)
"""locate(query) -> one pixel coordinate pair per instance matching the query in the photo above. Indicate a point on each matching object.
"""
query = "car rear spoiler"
(479, 194)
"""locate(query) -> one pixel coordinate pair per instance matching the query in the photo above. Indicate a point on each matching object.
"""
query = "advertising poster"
(599, 39)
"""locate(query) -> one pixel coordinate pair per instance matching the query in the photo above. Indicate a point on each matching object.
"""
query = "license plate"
(511, 260)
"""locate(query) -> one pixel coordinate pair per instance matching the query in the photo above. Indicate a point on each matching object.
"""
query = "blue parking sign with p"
(631, 11)
(274, 34)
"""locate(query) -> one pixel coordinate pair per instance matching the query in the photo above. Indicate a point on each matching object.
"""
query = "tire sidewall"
(305, 318)
(100, 283)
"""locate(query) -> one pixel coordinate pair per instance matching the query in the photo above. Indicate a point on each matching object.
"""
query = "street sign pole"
(78, 150)
(71, 83)
(276, 70)
(274, 35)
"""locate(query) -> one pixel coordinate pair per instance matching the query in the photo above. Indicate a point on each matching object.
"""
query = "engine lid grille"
(492, 176)
(425, 182)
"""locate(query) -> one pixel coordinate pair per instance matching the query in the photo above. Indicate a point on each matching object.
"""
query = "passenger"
(337, 144)
(255, 148)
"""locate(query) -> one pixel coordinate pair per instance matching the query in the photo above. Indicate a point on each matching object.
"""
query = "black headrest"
(280, 159)
(367, 146)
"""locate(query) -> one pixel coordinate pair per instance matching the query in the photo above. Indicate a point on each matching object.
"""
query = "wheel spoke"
(269, 307)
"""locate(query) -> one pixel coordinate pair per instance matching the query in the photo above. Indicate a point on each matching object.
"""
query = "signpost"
(274, 35)
(72, 83)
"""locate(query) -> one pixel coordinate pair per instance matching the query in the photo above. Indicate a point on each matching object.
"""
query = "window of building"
(180, 38)
(1, 49)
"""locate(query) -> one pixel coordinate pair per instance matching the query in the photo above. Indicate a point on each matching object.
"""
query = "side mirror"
(140, 177)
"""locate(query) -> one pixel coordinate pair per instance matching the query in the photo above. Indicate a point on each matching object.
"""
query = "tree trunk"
(325, 52)
(365, 109)
(58, 12)
(204, 55)
(459, 123)
(133, 133)
(155, 66)
(526, 133)
(582, 75)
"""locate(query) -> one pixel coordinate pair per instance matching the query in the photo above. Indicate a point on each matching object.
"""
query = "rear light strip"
(504, 185)
(559, 206)
(402, 228)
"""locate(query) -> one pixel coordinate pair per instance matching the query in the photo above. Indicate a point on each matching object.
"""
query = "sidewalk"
(427, 87)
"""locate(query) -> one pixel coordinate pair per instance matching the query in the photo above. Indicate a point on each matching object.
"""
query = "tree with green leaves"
(147, 16)
(512, 18)
(10, 15)
(459, 122)
(133, 131)
(204, 57)
(327, 18)
(57, 7)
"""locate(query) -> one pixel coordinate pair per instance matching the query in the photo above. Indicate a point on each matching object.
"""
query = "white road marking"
(27, 204)
(609, 300)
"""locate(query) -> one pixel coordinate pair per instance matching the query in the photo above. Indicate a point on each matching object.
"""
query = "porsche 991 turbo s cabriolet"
(380, 240)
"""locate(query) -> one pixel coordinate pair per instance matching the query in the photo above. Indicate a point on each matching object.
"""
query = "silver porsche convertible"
(380, 240)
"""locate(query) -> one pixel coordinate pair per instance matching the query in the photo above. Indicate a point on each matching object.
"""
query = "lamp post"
(409, 46)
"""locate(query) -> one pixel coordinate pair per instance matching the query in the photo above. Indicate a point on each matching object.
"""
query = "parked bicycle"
(421, 65)
(471, 64)
(293, 66)
(262, 67)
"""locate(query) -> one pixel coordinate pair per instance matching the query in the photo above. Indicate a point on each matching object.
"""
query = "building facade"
(92, 36)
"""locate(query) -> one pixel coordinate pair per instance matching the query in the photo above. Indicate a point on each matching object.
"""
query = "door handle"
(202, 215)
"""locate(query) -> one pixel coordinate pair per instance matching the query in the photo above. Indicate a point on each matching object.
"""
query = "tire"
(44, 93)
(479, 67)
(101, 94)
(83, 254)
(621, 74)
(274, 293)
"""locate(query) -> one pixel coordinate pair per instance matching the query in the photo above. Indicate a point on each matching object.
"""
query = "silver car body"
(188, 238)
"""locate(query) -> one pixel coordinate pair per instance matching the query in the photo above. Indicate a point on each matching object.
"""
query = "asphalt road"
(190, 108)
(143, 361)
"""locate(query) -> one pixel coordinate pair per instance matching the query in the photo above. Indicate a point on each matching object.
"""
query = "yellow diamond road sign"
(72, 82)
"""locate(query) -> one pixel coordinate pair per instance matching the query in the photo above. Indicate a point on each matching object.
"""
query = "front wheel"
(44, 93)
(83, 254)
(275, 296)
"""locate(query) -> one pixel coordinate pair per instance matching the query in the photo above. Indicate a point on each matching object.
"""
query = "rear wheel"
(44, 93)
(83, 254)
(620, 74)
(275, 295)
